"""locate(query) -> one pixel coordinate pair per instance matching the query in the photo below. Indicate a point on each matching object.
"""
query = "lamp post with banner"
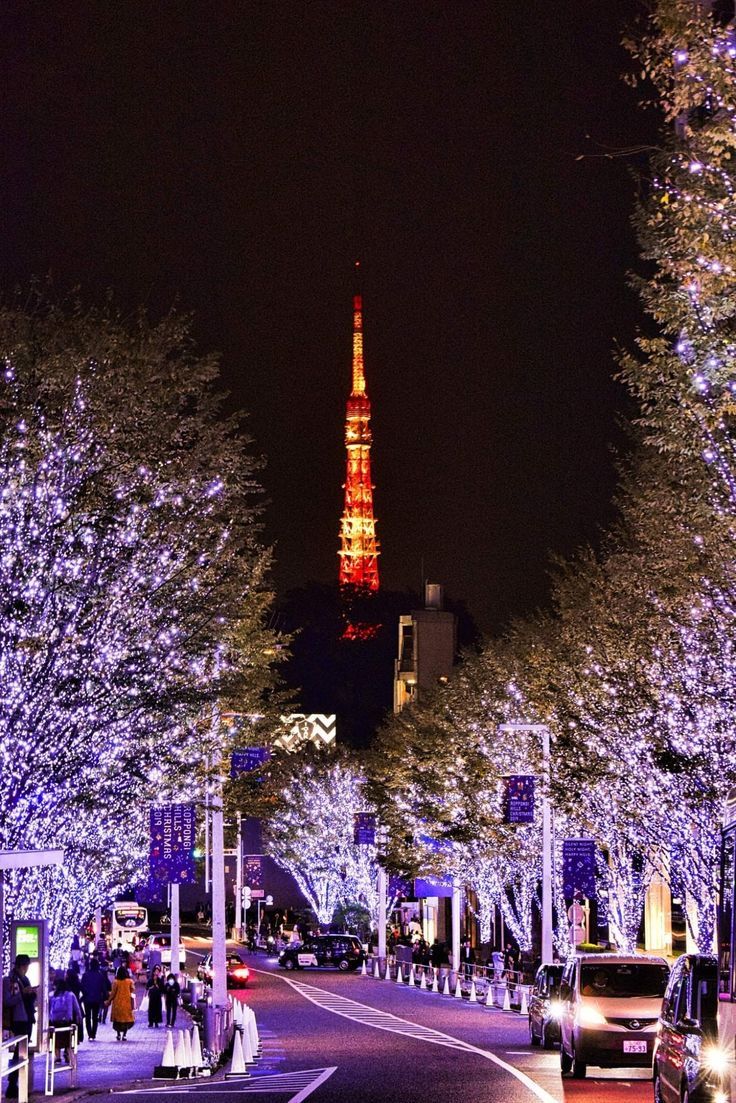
(543, 730)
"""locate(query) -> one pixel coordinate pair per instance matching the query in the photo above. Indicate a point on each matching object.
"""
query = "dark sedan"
(545, 1008)
(343, 951)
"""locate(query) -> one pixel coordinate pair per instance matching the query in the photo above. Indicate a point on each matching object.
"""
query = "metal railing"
(19, 1062)
(70, 1046)
(484, 983)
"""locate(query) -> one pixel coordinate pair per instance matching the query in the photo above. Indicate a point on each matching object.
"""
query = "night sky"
(236, 158)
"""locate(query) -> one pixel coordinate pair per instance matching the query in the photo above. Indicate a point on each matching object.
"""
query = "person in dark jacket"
(171, 997)
(156, 990)
(19, 1010)
(95, 989)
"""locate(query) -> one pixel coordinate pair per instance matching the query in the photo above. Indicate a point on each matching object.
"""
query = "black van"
(688, 1062)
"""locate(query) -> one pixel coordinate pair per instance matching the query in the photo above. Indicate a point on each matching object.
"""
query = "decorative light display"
(358, 544)
(116, 581)
(311, 836)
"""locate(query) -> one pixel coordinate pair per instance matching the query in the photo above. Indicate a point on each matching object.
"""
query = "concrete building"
(427, 645)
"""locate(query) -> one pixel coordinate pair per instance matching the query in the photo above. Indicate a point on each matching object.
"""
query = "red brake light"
(242, 972)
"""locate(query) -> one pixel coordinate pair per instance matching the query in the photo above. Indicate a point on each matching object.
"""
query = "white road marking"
(304, 1081)
(384, 1020)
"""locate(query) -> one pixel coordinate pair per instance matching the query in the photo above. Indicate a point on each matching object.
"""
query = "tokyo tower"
(358, 545)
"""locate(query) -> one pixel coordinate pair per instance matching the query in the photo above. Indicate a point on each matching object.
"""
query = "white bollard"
(435, 980)
(252, 1029)
(376, 970)
(458, 988)
(196, 1047)
(524, 1009)
(423, 980)
(473, 993)
(412, 977)
(446, 990)
(248, 1056)
(399, 973)
(507, 1000)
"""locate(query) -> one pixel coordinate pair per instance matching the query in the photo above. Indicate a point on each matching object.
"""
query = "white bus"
(128, 921)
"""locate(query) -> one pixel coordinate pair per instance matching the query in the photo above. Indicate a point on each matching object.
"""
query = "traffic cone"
(196, 1049)
(399, 973)
(248, 1057)
(506, 1000)
(237, 1066)
(387, 974)
(237, 1013)
(412, 977)
(446, 990)
(376, 970)
(435, 980)
(423, 981)
(473, 993)
(252, 1029)
(187, 1047)
(167, 1070)
(524, 1009)
(458, 988)
(363, 970)
(180, 1056)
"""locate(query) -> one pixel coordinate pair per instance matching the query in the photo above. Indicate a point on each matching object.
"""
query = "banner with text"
(253, 875)
(172, 844)
(519, 799)
(247, 760)
(364, 829)
(578, 868)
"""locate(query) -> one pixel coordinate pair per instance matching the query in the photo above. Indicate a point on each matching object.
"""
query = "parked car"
(689, 1063)
(611, 1006)
(238, 972)
(545, 1007)
(162, 943)
(342, 950)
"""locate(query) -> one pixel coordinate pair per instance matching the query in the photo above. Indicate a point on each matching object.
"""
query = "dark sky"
(238, 156)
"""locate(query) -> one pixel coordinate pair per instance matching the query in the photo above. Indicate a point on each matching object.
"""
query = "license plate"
(635, 1047)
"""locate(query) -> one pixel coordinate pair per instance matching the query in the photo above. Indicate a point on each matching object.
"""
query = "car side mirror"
(688, 1026)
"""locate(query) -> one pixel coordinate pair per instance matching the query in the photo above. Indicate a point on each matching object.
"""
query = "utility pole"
(239, 879)
(543, 730)
(219, 931)
(175, 927)
(456, 897)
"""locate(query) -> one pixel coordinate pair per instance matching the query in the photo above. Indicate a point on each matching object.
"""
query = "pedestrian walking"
(122, 1003)
(74, 984)
(104, 1008)
(95, 990)
(155, 991)
(171, 998)
(19, 1010)
(64, 1011)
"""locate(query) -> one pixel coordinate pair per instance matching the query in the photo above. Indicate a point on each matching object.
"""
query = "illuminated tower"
(358, 545)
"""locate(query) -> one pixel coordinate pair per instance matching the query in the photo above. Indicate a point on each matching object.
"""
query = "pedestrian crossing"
(302, 1082)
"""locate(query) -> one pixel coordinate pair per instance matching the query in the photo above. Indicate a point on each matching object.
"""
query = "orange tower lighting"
(358, 545)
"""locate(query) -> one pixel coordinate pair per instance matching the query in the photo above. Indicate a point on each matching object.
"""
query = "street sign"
(245, 894)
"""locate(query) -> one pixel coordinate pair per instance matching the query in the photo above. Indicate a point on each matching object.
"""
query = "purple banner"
(364, 829)
(172, 844)
(578, 868)
(519, 799)
(250, 758)
(432, 886)
(253, 875)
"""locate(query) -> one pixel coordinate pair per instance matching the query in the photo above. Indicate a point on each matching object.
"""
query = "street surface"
(331, 1038)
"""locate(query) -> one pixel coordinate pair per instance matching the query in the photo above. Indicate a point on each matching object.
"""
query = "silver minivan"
(611, 1005)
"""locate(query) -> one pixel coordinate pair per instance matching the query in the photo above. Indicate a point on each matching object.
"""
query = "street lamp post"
(543, 730)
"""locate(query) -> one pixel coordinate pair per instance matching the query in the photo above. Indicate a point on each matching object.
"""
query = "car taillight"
(241, 972)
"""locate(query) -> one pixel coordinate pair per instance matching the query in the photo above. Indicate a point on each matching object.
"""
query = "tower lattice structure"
(358, 544)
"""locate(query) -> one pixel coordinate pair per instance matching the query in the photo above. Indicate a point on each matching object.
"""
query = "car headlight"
(716, 1059)
(589, 1016)
(721, 1097)
(556, 1010)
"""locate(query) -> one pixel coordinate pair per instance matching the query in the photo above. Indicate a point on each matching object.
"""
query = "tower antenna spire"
(359, 547)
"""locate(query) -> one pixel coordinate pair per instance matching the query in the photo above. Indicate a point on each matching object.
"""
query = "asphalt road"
(334, 1038)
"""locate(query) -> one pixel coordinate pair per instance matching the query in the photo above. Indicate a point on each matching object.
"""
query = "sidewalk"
(107, 1063)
